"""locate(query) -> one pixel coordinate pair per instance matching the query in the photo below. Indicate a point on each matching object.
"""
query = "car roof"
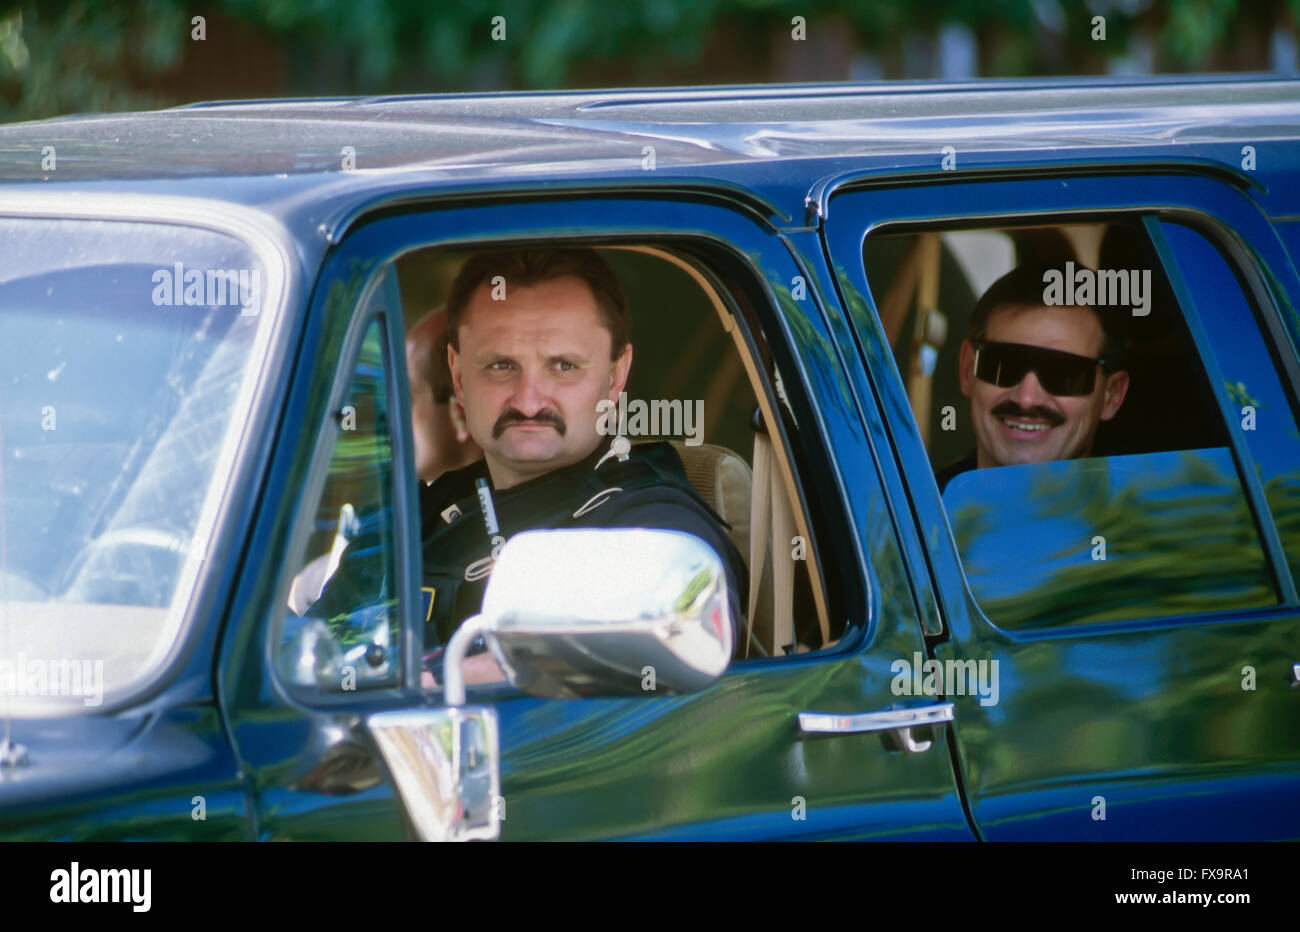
(283, 155)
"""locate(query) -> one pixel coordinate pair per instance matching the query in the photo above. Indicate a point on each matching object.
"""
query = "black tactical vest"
(458, 554)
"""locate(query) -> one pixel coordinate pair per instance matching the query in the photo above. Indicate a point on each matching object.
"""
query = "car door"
(297, 689)
(1141, 717)
(730, 762)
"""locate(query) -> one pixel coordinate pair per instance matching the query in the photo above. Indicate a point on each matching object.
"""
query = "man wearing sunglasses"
(1039, 379)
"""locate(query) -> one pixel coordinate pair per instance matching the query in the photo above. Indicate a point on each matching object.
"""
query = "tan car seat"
(725, 481)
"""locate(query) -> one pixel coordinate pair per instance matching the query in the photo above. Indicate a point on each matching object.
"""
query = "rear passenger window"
(1098, 462)
(1249, 373)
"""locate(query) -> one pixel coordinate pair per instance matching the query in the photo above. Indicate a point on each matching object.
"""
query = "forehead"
(558, 310)
(1072, 329)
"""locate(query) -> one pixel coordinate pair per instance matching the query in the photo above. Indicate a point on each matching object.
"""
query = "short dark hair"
(532, 265)
(1024, 285)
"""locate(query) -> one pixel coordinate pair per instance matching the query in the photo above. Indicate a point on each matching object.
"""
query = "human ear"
(1116, 389)
(453, 364)
(619, 373)
(966, 367)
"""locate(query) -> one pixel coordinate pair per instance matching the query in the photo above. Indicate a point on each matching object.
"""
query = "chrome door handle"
(901, 721)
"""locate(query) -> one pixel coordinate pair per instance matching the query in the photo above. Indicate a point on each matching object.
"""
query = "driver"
(538, 337)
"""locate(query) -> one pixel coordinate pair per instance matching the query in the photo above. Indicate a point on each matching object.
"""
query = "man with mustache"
(1039, 379)
(538, 337)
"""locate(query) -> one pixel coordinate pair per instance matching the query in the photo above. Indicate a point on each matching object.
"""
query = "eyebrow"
(576, 357)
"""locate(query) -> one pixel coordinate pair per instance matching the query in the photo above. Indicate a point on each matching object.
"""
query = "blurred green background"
(79, 56)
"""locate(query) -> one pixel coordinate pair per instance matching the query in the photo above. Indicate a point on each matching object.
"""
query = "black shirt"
(653, 493)
(945, 475)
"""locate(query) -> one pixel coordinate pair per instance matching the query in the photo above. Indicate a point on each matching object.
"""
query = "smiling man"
(538, 338)
(1040, 379)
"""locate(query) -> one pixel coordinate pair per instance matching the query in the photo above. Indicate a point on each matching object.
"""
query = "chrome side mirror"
(578, 612)
(444, 762)
(608, 612)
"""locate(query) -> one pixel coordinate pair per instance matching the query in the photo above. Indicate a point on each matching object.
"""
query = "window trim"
(267, 240)
(381, 286)
(975, 196)
(1253, 486)
(856, 592)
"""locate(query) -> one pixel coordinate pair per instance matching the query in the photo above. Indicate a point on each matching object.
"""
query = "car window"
(340, 631)
(1067, 507)
(689, 386)
(129, 353)
(1108, 538)
(1263, 411)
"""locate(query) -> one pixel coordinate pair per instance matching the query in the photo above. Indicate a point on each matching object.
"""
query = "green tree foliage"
(61, 56)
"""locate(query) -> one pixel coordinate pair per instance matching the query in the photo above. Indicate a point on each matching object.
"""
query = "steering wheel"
(136, 565)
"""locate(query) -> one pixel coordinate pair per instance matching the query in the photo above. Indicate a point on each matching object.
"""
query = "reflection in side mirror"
(444, 763)
(612, 612)
(311, 653)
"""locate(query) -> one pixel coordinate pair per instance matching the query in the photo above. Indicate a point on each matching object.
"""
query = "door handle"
(901, 721)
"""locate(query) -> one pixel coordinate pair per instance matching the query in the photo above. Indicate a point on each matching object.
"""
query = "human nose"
(530, 392)
(1029, 392)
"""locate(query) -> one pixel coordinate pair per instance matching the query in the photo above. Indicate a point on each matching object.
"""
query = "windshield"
(126, 356)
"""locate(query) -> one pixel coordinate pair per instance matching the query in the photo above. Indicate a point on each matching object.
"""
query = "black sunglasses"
(1059, 372)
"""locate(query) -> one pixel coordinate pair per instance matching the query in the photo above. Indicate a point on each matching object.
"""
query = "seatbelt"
(770, 511)
(782, 564)
(760, 510)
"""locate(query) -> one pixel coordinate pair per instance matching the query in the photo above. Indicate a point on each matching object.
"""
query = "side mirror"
(608, 612)
(578, 612)
(444, 763)
(310, 653)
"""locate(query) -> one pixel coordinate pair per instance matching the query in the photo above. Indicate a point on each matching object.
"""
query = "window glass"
(128, 353)
(1076, 437)
(1108, 539)
(1250, 377)
(342, 629)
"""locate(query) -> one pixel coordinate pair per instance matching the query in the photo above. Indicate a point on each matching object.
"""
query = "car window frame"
(504, 220)
(381, 287)
(1278, 563)
(942, 205)
(188, 657)
(378, 300)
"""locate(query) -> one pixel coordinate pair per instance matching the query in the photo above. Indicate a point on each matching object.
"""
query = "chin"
(1025, 457)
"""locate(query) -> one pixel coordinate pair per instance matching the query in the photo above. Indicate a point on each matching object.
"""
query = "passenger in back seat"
(1040, 378)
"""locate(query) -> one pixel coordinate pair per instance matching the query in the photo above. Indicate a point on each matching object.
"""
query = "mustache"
(1011, 409)
(515, 416)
